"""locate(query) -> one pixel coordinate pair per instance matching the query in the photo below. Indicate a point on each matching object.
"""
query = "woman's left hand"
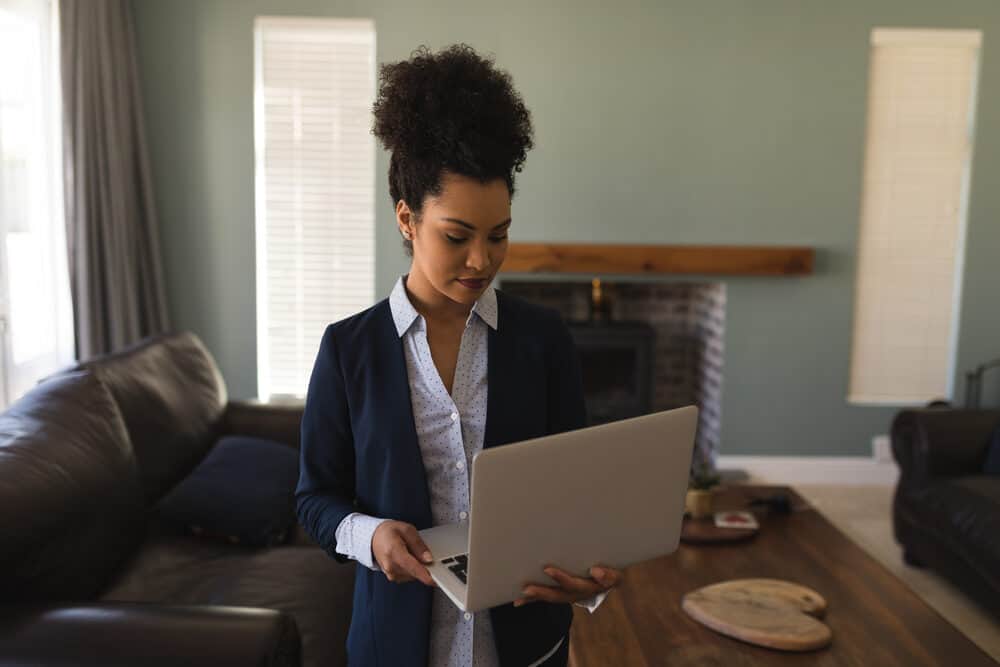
(569, 588)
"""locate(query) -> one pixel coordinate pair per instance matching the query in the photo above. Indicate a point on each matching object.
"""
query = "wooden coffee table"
(875, 618)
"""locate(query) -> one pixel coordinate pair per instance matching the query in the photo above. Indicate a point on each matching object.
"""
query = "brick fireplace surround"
(688, 323)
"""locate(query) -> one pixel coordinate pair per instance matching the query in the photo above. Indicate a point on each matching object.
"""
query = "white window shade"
(922, 88)
(315, 188)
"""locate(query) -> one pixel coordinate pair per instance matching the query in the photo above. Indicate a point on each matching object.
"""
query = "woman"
(405, 393)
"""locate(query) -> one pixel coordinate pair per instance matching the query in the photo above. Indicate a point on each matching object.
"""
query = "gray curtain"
(116, 274)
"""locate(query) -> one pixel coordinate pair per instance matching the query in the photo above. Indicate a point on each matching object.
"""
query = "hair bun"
(452, 110)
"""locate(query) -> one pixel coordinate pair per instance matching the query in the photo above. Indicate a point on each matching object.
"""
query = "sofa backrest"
(71, 506)
(172, 398)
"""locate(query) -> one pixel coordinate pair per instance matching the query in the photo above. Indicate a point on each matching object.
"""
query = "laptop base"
(446, 542)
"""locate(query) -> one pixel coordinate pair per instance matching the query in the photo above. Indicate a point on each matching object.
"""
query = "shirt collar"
(404, 314)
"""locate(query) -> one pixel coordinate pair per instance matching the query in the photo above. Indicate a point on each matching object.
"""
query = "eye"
(498, 239)
(457, 240)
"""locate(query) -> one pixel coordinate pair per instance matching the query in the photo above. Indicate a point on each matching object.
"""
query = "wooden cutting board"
(766, 612)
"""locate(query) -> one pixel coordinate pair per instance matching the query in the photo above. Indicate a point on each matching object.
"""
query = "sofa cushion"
(172, 397)
(302, 581)
(964, 512)
(243, 491)
(71, 506)
(992, 465)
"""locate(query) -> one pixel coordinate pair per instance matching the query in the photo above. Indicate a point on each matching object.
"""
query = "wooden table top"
(875, 618)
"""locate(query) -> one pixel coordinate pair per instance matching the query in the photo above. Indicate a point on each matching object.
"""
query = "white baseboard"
(834, 470)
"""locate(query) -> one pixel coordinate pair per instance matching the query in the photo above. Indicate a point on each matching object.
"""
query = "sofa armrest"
(274, 421)
(941, 442)
(128, 633)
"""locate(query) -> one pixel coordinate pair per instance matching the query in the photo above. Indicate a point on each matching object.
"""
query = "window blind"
(315, 188)
(921, 103)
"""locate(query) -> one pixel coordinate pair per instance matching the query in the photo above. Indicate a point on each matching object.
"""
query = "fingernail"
(549, 571)
(518, 603)
(524, 591)
(427, 557)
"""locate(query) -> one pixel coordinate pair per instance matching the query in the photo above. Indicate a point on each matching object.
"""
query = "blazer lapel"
(501, 375)
(404, 430)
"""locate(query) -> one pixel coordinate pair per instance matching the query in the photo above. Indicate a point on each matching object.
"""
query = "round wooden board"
(704, 531)
(766, 612)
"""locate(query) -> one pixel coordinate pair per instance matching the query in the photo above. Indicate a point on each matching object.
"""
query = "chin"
(464, 295)
(461, 294)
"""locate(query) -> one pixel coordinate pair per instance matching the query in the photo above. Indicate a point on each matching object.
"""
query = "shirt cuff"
(591, 604)
(354, 538)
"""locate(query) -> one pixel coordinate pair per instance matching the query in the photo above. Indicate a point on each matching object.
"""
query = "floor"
(864, 513)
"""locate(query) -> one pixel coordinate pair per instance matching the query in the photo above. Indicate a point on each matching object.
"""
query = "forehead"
(474, 202)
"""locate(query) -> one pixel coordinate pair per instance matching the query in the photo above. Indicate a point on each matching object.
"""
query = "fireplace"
(615, 364)
(643, 346)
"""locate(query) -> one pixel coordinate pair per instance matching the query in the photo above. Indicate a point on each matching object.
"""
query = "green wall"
(675, 121)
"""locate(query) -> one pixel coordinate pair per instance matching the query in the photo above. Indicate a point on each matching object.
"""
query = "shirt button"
(460, 465)
(468, 616)
(454, 416)
(463, 515)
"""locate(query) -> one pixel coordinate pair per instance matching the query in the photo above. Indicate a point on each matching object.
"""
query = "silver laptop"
(611, 494)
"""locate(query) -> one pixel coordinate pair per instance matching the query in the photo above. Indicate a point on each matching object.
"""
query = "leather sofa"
(946, 510)
(90, 575)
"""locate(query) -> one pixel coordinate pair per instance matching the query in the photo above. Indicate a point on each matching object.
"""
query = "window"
(315, 188)
(36, 334)
(921, 103)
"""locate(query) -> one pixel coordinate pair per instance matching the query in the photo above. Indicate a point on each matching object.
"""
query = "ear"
(405, 220)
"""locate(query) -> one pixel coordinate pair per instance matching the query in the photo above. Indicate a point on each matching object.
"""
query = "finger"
(415, 569)
(568, 582)
(523, 601)
(416, 545)
(402, 565)
(395, 573)
(547, 593)
(608, 577)
(403, 572)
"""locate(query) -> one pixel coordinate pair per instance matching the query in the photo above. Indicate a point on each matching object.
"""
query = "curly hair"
(451, 111)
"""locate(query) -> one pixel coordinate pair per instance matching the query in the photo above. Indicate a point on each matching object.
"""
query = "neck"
(431, 303)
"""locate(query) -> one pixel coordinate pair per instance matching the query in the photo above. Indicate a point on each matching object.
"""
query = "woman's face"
(461, 239)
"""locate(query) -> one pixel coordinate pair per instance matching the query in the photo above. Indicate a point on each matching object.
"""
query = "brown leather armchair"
(946, 511)
(89, 575)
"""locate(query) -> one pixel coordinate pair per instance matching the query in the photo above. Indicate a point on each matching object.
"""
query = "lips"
(473, 284)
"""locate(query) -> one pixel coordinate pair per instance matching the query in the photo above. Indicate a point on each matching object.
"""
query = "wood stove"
(616, 360)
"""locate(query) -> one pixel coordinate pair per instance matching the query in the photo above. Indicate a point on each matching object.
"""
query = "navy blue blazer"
(359, 452)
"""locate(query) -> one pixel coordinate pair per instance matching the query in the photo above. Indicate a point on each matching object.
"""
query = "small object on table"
(744, 520)
(698, 503)
(767, 612)
(707, 531)
(700, 500)
(778, 503)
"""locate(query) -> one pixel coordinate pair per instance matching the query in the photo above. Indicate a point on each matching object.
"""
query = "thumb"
(416, 545)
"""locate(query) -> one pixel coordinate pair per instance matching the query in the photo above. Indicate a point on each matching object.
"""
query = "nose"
(478, 258)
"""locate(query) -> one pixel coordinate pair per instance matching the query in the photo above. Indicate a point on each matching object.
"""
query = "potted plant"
(700, 490)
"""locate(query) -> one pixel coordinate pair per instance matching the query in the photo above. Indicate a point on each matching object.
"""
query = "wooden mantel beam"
(603, 259)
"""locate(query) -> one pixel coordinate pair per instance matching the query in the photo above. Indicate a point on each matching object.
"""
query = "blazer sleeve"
(325, 492)
(567, 408)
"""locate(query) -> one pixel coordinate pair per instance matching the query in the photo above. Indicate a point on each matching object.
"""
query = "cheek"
(499, 253)
(441, 257)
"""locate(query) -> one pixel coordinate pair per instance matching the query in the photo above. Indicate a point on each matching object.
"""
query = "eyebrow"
(472, 227)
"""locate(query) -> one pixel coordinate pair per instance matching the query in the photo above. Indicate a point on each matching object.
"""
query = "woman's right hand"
(398, 549)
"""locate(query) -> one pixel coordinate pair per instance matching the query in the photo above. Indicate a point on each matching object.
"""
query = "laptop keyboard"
(458, 565)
